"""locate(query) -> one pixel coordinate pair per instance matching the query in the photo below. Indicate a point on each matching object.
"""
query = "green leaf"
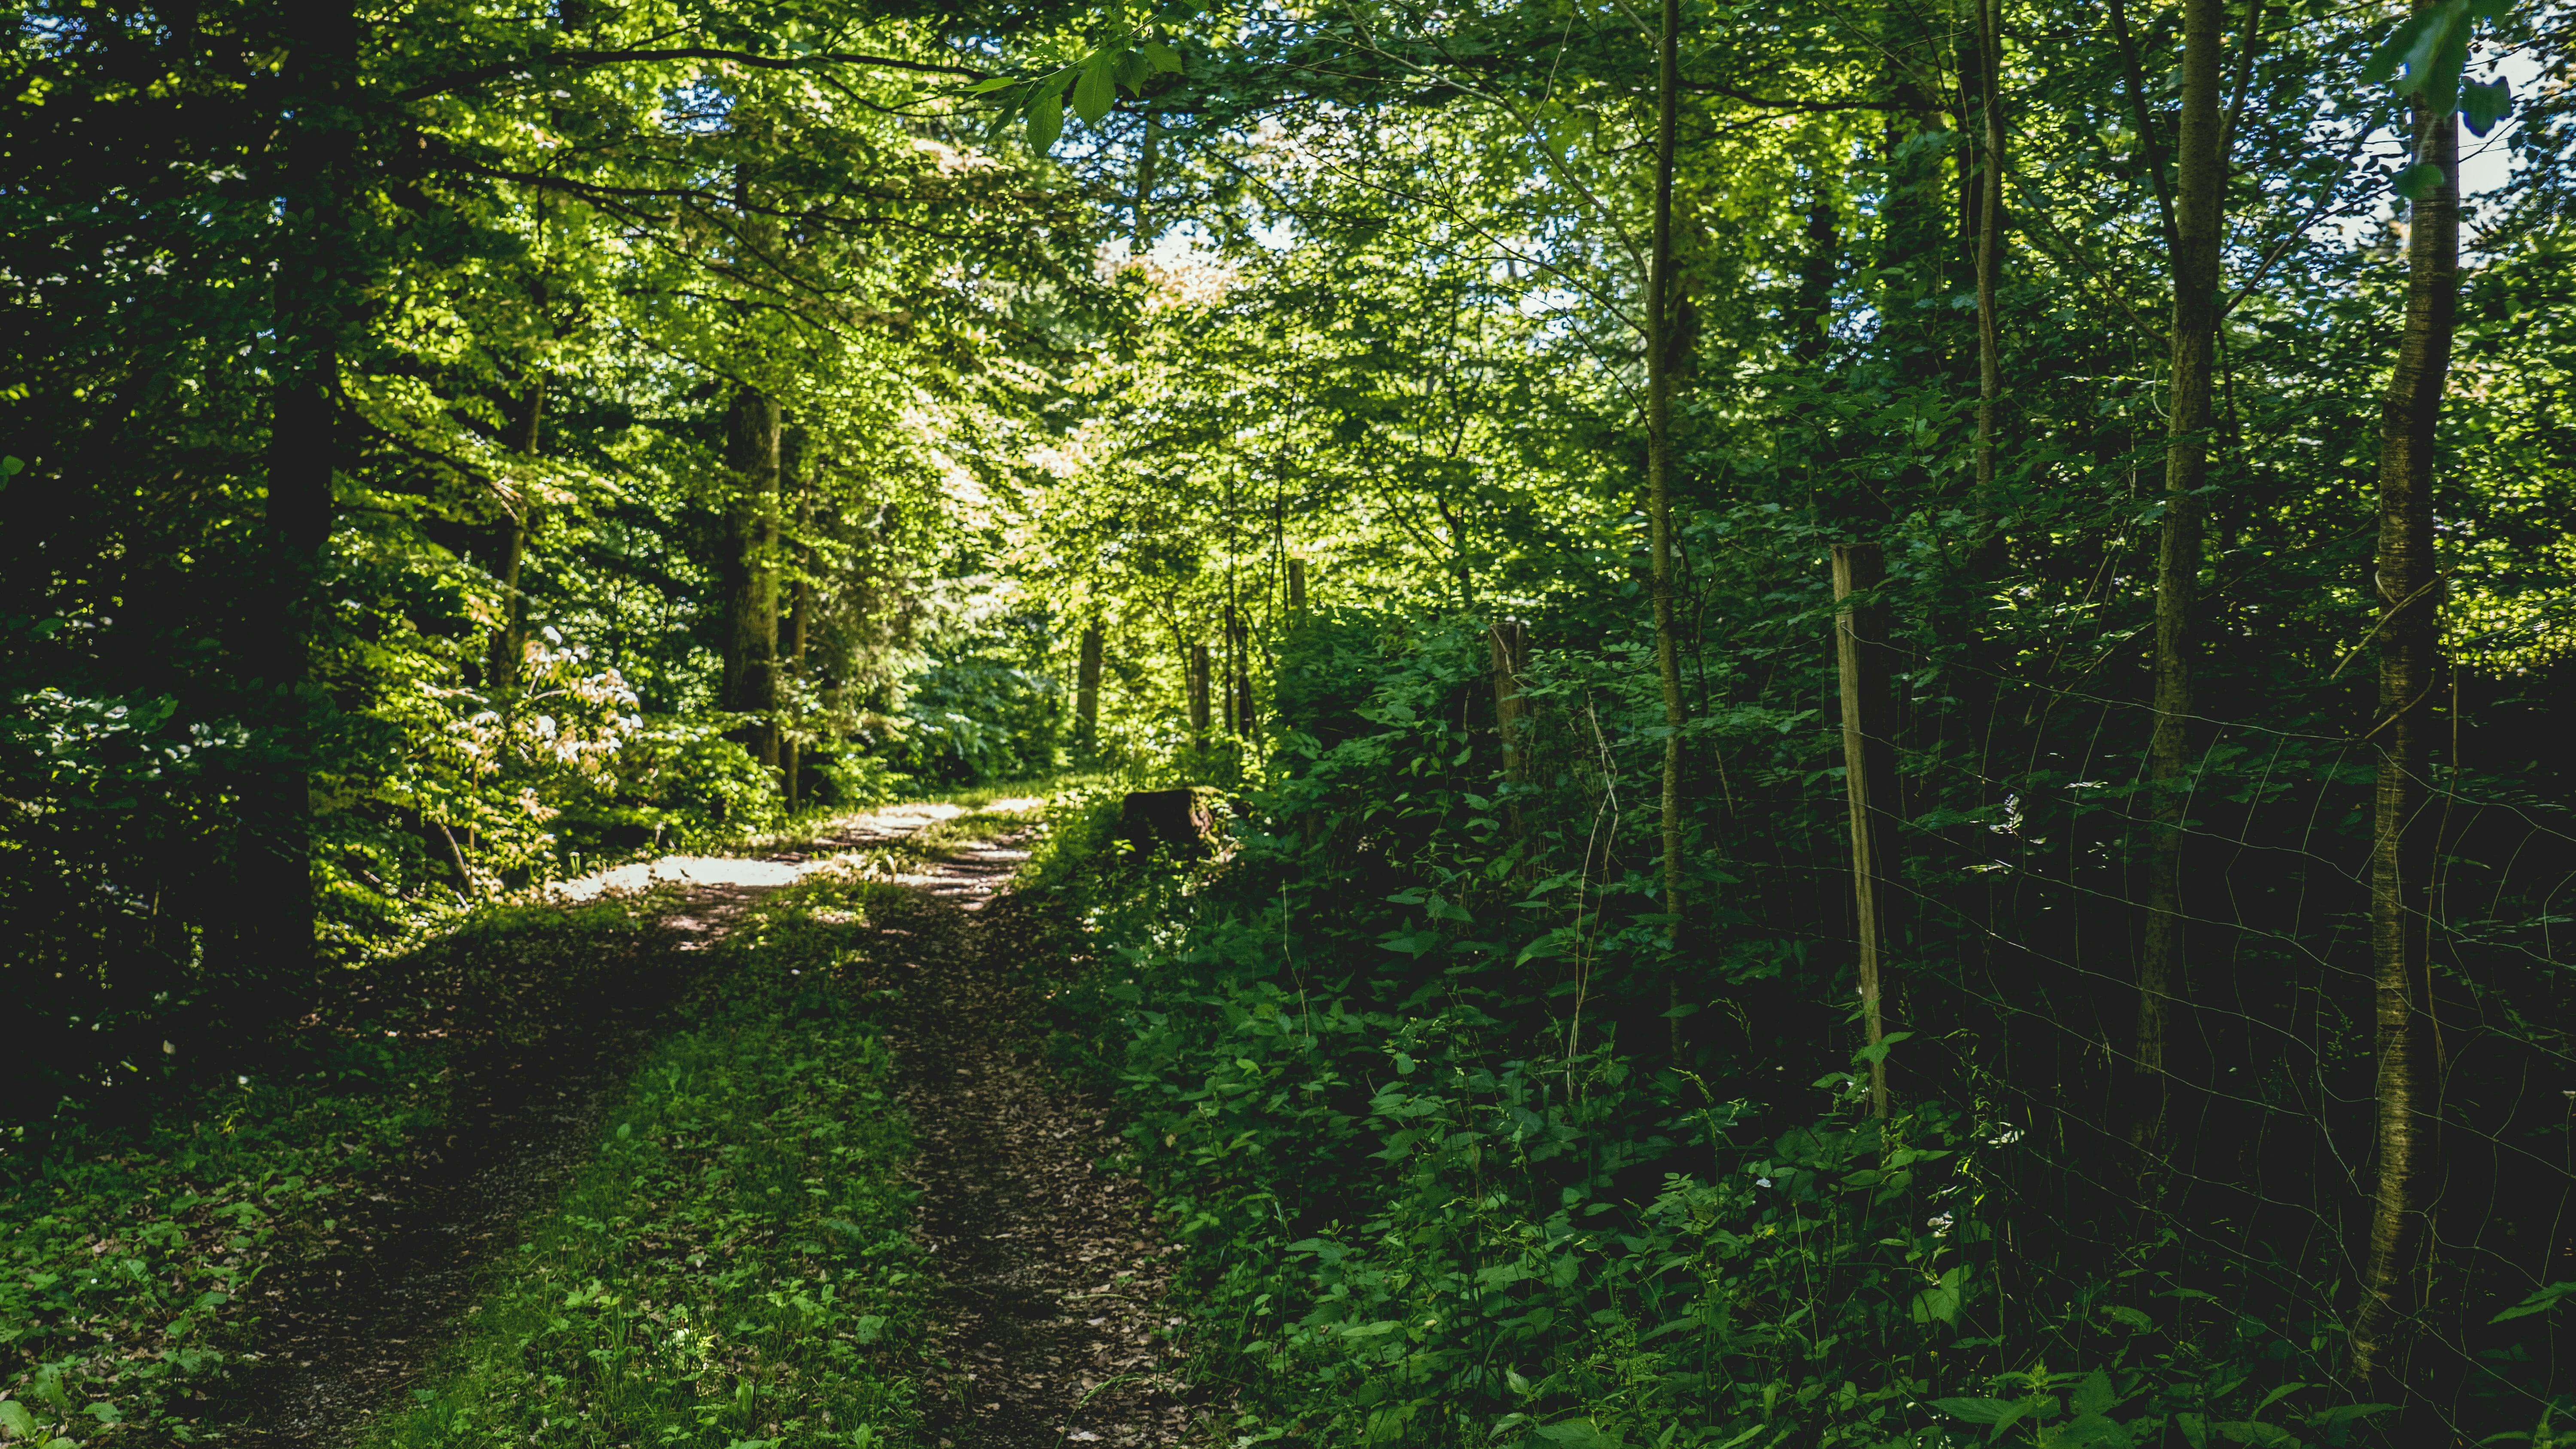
(2384, 61)
(2261, 1435)
(2123, 1314)
(1940, 1302)
(1046, 121)
(2418, 181)
(2540, 1302)
(15, 1421)
(997, 83)
(1378, 1329)
(48, 1389)
(2278, 1394)
(2095, 1395)
(1577, 1434)
(1162, 57)
(1096, 91)
(2483, 103)
(1877, 1051)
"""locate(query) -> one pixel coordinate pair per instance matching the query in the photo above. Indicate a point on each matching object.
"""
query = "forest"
(1530, 723)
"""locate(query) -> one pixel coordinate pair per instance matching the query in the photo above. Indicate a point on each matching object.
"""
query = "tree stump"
(1182, 821)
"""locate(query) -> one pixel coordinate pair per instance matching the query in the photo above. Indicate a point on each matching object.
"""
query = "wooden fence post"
(1869, 779)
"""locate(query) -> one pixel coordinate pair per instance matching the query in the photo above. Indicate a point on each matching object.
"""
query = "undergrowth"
(1405, 1093)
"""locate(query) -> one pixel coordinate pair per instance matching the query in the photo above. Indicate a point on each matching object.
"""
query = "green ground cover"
(131, 1253)
(1405, 1225)
(732, 1269)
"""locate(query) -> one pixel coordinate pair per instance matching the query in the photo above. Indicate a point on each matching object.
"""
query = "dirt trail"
(350, 1329)
(1051, 1277)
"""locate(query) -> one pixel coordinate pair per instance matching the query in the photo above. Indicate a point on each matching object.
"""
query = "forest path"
(349, 1329)
(1050, 1277)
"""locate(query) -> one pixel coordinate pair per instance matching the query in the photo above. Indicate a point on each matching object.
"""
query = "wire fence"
(2232, 1183)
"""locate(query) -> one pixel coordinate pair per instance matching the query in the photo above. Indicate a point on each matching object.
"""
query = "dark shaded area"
(1181, 821)
(360, 1322)
(1051, 1277)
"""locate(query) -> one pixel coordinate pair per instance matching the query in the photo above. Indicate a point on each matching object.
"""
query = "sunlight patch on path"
(836, 844)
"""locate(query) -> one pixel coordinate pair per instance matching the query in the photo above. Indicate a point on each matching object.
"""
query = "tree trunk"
(1811, 315)
(749, 569)
(509, 646)
(2402, 839)
(1867, 675)
(1918, 239)
(1141, 237)
(2200, 166)
(1238, 685)
(1988, 214)
(1086, 690)
(274, 940)
(1198, 686)
(1296, 588)
(1509, 639)
(796, 475)
(1659, 486)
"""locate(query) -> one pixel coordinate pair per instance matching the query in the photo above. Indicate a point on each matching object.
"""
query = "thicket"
(450, 447)
(1464, 1156)
(1939, 637)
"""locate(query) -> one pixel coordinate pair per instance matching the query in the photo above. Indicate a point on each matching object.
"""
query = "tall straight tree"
(796, 468)
(2411, 667)
(2200, 186)
(1986, 215)
(1661, 337)
(313, 300)
(749, 567)
(518, 525)
(1086, 687)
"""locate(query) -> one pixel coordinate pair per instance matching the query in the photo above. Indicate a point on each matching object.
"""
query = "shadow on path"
(350, 1329)
(1050, 1277)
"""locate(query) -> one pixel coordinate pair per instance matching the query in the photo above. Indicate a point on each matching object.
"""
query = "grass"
(131, 1255)
(733, 1269)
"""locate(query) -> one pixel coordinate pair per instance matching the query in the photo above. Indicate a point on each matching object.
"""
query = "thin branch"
(2146, 126)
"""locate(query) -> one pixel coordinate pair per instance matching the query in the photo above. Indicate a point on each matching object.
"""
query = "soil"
(353, 1327)
(1050, 1277)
